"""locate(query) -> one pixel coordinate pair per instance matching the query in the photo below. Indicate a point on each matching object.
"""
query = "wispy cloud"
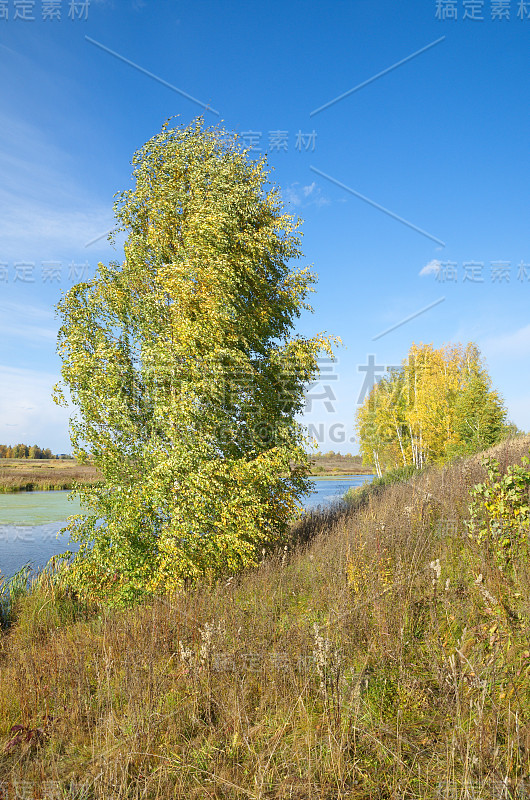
(33, 324)
(432, 268)
(27, 411)
(509, 345)
(301, 196)
(29, 230)
(38, 312)
(44, 210)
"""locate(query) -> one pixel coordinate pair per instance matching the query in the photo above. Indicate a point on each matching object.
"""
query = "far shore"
(43, 474)
(51, 474)
(338, 465)
(334, 476)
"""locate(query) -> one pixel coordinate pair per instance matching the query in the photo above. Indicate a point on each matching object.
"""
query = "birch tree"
(437, 405)
(185, 373)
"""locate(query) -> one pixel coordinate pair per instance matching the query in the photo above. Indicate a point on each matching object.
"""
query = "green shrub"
(500, 510)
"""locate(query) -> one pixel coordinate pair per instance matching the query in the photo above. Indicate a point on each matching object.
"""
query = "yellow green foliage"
(185, 374)
(438, 404)
(500, 510)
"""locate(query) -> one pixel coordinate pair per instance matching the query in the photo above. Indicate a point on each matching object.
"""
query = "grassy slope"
(345, 669)
(21, 474)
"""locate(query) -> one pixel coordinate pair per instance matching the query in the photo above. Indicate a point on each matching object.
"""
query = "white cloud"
(33, 230)
(432, 268)
(303, 196)
(41, 312)
(43, 208)
(31, 323)
(509, 345)
(291, 194)
(27, 411)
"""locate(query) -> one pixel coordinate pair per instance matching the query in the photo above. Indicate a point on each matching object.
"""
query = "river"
(30, 521)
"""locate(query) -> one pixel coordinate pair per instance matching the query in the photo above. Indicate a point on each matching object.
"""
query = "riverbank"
(337, 464)
(26, 475)
(384, 654)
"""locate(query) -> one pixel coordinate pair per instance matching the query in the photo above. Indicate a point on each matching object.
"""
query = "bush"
(500, 510)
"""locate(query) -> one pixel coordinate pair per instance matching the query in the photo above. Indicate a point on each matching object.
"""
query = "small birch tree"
(437, 405)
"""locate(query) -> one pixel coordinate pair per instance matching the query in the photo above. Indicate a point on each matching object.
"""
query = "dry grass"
(383, 657)
(21, 474)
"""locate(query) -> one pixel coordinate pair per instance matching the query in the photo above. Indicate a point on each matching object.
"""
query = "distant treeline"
(24, 451)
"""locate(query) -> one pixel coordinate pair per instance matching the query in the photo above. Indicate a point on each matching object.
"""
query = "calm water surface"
(329, 490)
(30, 521)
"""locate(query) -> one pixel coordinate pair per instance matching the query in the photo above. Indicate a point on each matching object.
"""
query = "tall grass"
(11, 590)
(381, 655)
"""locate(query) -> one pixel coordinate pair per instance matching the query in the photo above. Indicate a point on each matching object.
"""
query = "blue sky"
(439, 145)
